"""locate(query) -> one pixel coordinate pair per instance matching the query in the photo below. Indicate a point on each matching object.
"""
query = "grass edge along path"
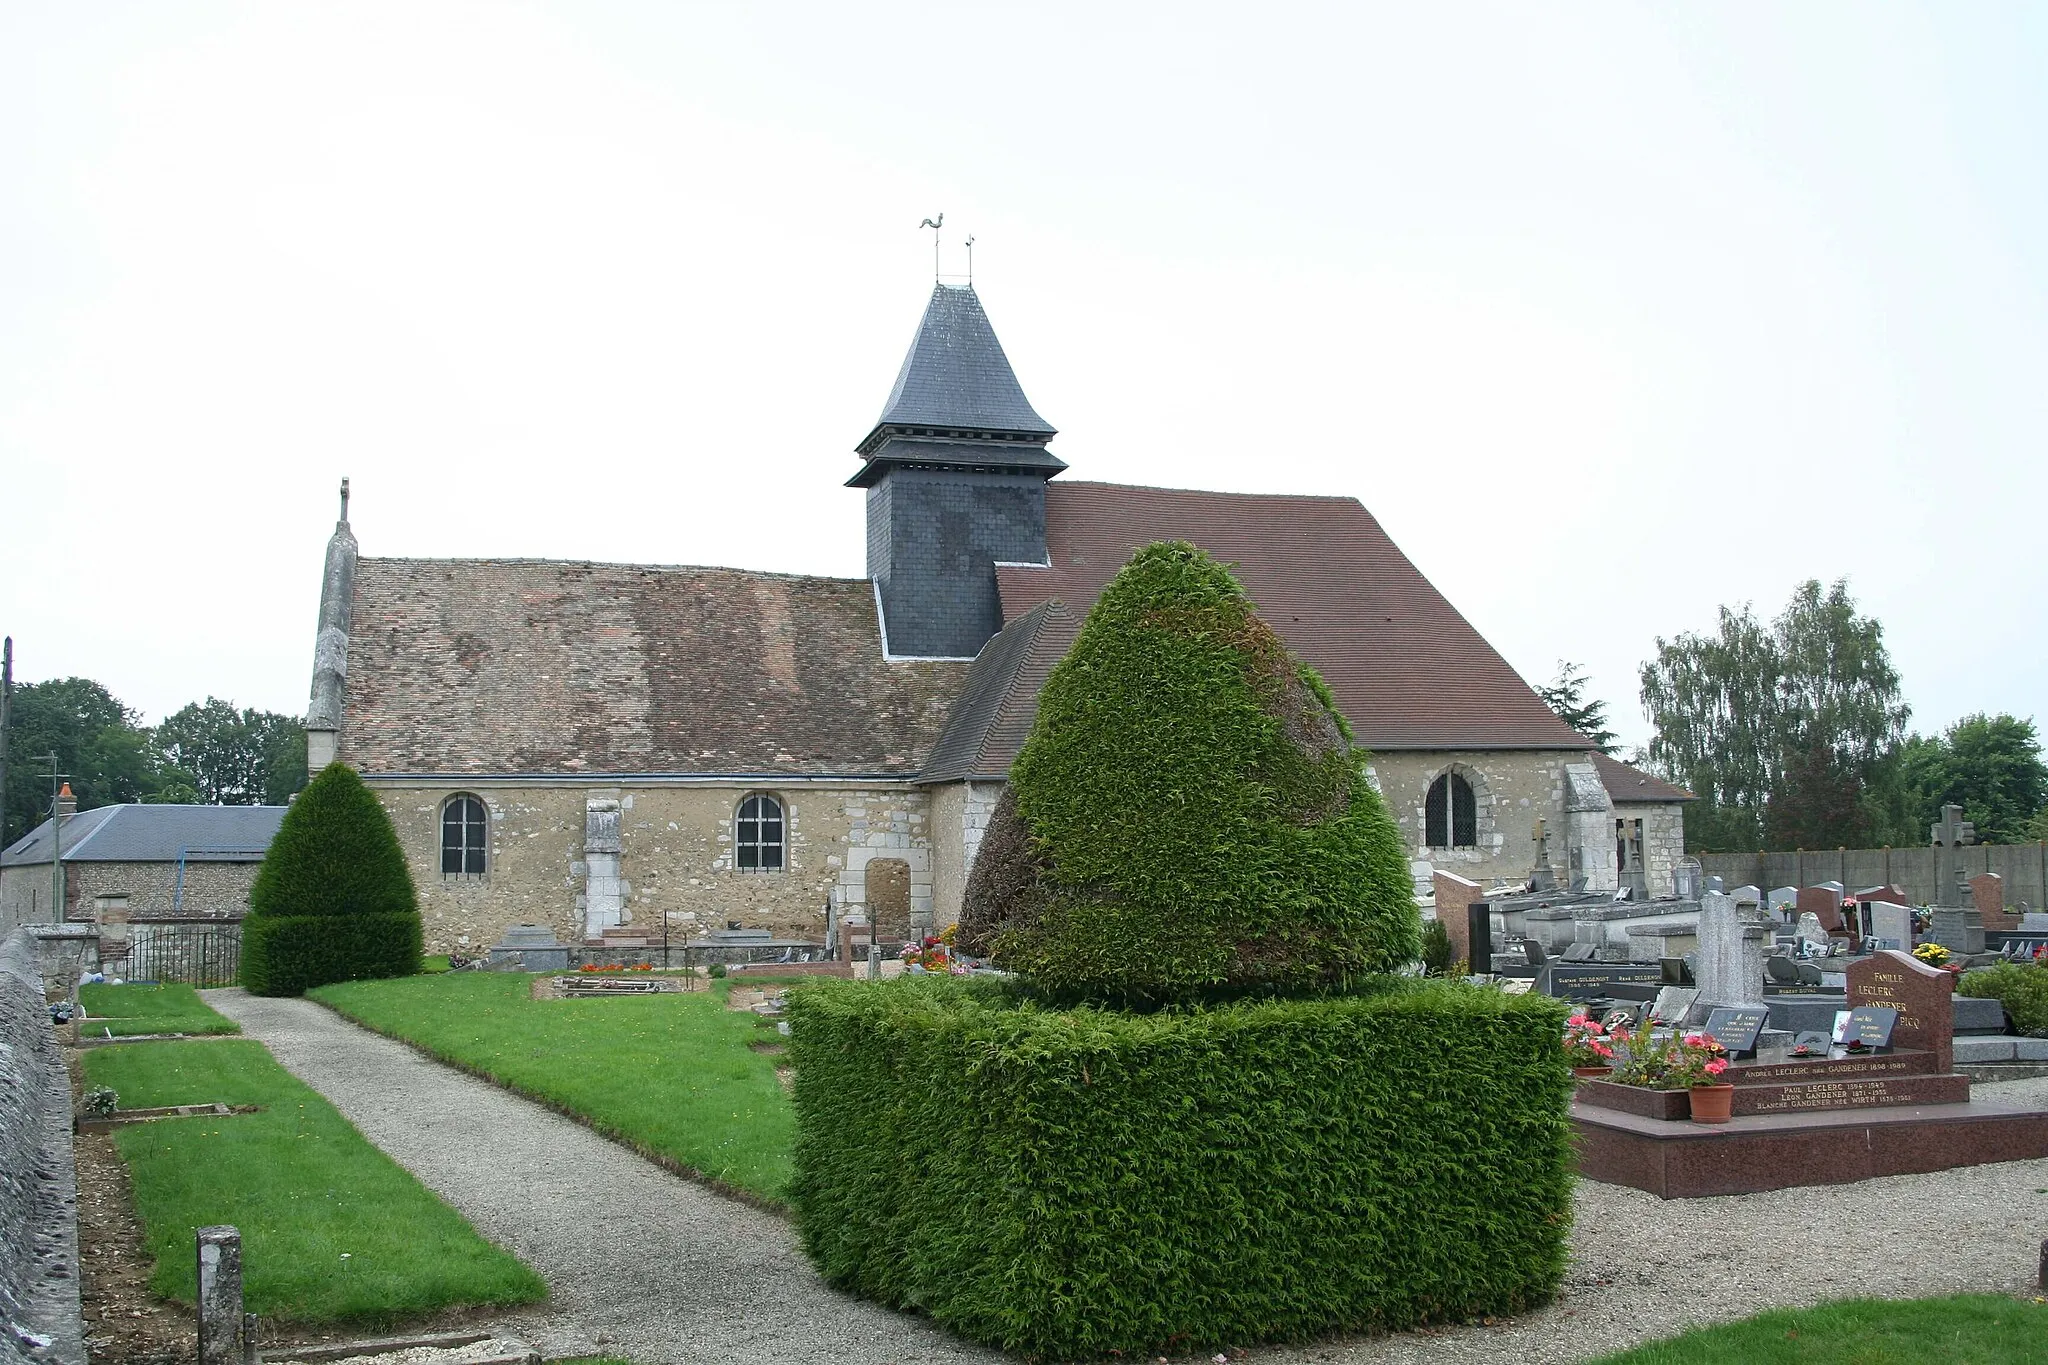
(137, 1009)
(1962, 1329)
(334, 1231)
(381, 1007)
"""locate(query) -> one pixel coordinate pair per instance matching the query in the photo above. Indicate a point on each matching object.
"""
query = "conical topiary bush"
(1189, 816)
(333, 900)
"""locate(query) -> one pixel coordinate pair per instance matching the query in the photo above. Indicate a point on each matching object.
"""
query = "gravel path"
(669, 1272)
(642, 1263)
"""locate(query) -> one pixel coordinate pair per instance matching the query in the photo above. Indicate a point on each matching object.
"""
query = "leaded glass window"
(464, 836)
(758, 837)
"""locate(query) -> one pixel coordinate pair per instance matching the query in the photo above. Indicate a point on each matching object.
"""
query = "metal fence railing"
(196, 954)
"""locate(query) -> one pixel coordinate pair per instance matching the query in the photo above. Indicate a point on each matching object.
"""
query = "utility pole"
(6, 712)
(56, 840)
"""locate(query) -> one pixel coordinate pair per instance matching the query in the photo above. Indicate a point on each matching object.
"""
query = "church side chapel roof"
(1626, 783)
(521, 666)
(1407, 670)
(993, 717)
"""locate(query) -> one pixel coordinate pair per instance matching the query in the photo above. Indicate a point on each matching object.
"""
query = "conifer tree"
(333, 900)
(1189, 817)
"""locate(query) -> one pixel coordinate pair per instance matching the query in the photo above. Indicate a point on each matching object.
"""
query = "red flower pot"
(1713, 1103)
(1590, 1072)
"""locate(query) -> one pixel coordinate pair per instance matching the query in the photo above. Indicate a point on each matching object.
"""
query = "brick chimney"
(67, 804)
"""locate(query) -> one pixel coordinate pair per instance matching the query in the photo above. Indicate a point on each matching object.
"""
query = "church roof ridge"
(533, 561)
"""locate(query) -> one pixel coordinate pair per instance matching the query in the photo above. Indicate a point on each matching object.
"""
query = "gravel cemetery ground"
(710, 1279)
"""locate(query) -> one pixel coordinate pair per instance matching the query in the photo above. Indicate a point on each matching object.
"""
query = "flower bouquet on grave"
(1586, 1046)
(1933, 954)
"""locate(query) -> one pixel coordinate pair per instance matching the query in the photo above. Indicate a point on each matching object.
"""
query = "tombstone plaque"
(1597, 980)
(1479, 935)
(1871, 1025)
(1814, 1041)
(1923, 996)
(1736, 1027)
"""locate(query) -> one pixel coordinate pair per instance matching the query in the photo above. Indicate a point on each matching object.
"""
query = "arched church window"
(758, 835)
(464, 836)
(1453, 813)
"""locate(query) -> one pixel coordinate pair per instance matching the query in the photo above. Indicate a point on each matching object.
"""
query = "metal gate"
(196, 954)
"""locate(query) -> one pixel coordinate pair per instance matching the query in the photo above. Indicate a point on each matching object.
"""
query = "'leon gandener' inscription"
(1829, 1095)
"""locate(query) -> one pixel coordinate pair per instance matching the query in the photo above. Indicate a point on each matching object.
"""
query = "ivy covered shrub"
(2022, 987)
(1088, 1181)
(1189, 817)
(333, 900)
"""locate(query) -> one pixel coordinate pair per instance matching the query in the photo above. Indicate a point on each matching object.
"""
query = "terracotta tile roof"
(524, 666)
(1407, 670)
(1625, 783)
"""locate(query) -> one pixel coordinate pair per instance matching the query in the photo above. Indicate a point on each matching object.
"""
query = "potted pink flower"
(1698, 1063)
(1587, 1047)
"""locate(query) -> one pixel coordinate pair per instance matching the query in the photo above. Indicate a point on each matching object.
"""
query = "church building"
(608, 749)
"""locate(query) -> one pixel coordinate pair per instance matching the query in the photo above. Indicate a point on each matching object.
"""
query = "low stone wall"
(38, 1185)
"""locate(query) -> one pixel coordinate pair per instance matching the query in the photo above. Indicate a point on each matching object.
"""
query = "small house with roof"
(127, 868)
(617, 750)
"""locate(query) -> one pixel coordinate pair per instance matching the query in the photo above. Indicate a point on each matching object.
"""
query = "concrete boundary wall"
(38, 1183)
(2024, 867)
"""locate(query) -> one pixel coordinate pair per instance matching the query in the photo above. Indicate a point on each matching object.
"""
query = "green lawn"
(670, 1074)
(1969, 1329)
(126, 1011)
(332, 1229)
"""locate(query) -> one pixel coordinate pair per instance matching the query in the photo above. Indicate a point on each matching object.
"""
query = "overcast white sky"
(1611, 314)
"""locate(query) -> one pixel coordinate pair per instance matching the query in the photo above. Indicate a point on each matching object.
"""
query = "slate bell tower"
(955, 475)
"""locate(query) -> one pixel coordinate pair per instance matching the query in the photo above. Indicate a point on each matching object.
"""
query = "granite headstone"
(1891, 925)
(1824, 905)
(1987, 890)
(1923, 995)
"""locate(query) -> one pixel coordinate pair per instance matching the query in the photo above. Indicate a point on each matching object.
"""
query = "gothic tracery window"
(758, 835)
(1452, 813)
(464, 837)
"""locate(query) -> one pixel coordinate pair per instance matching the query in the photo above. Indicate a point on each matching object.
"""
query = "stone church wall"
(1512, 789)
(960, 812)
(675, 858)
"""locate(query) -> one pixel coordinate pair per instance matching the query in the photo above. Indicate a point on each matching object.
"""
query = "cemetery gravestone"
(1813, 1041)
(1673, 1003)
(1891, 925)
(1810, 930)
(1785, 901)
(1737, 1028)
(1479, 936)
(1453, 897)
(1882, 893)
(1824, 905)
(1731, 953)
(1987, 891)
(1923, 996)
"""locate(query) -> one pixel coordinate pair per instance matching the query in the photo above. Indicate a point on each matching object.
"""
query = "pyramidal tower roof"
(956, 399)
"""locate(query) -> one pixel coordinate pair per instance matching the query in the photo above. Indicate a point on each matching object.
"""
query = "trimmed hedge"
(1080, 1182)
(333, 900)
(2021, 987)
(1189, 817)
